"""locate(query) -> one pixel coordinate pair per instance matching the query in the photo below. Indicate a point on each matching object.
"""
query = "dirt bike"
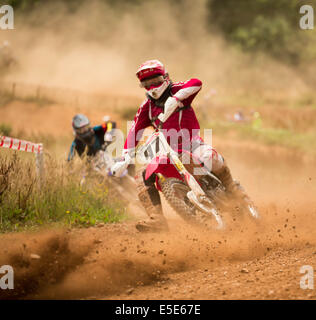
(192, 190)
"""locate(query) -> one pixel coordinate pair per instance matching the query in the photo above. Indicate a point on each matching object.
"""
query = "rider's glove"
(120, 166)
(171, 104)
(108, 137)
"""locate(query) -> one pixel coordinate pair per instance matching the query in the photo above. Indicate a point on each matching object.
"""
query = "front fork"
(196, 195)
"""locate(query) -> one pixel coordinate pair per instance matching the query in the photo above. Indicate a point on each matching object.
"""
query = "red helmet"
(153, 77)
(150, 68)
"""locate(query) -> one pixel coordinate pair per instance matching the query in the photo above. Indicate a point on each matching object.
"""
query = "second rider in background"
(90, 139)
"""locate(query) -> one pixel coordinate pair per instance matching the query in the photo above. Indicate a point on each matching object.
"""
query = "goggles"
(82, 130)
(156, 81)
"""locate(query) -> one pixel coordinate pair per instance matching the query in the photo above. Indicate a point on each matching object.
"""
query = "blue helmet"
(83, 131)
(79, 121)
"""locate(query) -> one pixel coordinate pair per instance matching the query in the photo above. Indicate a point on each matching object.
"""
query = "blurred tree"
(25, 5)
(271, 26)
(72, 5)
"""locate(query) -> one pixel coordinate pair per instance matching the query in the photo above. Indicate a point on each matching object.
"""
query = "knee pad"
(212, 160)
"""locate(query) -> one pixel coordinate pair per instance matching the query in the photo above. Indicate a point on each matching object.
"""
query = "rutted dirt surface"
(117, 262)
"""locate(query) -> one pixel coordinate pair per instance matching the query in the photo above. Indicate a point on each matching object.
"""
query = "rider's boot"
(233, 187)
(156, 222)
(237, 193)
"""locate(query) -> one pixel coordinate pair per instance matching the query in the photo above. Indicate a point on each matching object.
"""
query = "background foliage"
(253, 25)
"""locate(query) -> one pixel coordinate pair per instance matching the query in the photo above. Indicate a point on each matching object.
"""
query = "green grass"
(41, 101)
(7, 97)
(24, 204)
(306, 100)
(272, 136)
(128, 113)
(5, 129)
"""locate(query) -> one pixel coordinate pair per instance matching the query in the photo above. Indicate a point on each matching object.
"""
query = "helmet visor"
(155, 81)
(82, 130)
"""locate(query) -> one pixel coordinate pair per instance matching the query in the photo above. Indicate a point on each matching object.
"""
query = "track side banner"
(20, 145)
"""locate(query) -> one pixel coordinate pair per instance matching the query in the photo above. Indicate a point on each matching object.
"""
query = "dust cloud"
(98, 48)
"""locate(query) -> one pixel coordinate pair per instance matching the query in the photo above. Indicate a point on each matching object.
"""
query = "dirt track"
(116, 262)
(244, 262)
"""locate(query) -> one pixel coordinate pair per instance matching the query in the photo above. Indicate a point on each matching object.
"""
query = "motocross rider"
(93, 138)
(168, 105)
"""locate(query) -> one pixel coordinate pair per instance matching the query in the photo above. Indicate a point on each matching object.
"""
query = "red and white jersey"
(185, 119)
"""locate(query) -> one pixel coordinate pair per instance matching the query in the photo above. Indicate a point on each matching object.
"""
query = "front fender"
(161, 164)
(153, 167)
